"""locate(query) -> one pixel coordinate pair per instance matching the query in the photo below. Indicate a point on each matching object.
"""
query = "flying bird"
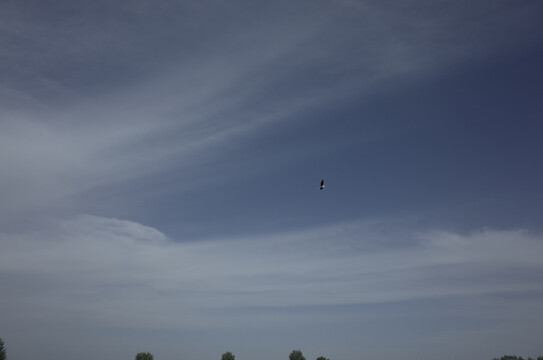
(322, 185)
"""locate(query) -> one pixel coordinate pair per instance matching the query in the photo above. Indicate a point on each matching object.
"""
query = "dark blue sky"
(161, 162)
(459, 151)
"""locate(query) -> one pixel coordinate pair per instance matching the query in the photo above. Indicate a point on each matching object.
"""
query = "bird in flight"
(322, 185)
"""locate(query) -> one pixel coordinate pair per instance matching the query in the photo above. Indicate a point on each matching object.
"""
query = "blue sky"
(160, 164)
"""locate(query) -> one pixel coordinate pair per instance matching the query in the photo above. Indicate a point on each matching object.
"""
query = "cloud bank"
(113, 271)
(116, 277)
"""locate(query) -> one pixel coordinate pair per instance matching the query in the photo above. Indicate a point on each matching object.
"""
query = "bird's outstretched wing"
(322, 184)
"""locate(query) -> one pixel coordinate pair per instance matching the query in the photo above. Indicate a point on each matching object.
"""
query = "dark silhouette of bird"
(322, 185)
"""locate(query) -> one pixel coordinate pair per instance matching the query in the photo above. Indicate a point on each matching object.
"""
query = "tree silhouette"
(2, 350)
(144, 356)
(296, 355)
(228, 356)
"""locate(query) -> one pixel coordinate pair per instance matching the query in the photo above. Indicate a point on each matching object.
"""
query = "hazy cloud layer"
(110, 271)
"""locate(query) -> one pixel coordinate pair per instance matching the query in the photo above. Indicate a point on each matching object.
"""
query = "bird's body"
(322, 185)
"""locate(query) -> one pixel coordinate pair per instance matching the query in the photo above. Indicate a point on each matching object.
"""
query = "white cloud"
(125, 274)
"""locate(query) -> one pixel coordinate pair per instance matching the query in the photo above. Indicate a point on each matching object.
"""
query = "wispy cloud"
(59, 137)
(110, 271)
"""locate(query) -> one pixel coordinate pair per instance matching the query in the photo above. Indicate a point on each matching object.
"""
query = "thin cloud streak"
(188, 106)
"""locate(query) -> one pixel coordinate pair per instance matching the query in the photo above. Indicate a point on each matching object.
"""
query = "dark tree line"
(294, 355)
(514, 357)
(2, 350)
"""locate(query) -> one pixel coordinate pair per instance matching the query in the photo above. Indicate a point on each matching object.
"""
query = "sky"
(160, 164)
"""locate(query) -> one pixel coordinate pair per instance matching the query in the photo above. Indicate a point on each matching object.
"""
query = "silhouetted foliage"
(322, 358)
(296, 355)
(514, 357)
(2, 350)
(228, 356)
(144, 356)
